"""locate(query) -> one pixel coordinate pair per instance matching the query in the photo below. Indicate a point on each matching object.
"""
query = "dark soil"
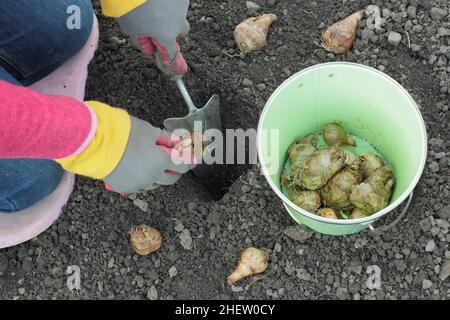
(92, 233)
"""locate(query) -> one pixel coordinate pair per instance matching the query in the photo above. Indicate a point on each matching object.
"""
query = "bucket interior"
(365, 101)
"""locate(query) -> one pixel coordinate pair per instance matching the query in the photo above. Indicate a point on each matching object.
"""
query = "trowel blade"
(209, 116)
(209, 176)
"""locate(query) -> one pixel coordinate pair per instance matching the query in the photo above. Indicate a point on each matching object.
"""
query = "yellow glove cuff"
(117, 8)
(106, 148)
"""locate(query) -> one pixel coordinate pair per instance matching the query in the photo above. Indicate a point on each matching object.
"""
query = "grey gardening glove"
(149, 161)
(154, 27)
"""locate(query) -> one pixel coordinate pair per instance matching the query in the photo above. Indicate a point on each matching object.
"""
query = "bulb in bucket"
(334, 133)
(324, 177)
(373, 195)
(371, 162)
(336, 193)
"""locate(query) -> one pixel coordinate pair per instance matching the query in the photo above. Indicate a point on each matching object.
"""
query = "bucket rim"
(391, 206)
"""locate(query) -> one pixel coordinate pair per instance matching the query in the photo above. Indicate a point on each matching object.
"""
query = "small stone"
(434, 167)
(111, 263)
(386, 13)
(178, 226)
(355, 269)
(412, 11)
(21, 291)
(304, 275)
(432, 59)
(117, 40)
(409, 278)
(298, 233)
(415, 47)
(394, 38)
(400, 265)
(247, 82)
(236, 288)
(360, 243)
(139, 281)
(426, 284)
(417, 28)
(252, 7)
(435, 231)
(286, 71)
(397, 17)
(141, 204)
(430, 246)
(442, 62)
(186, 239)
(261, 87)
(27, 266)
(277, 247)
(152, 293)
(437, 13)
(271, 3)
(173, 271)
(425, 225)
(445, 271)
(342, 293)
(440, 155)
(132, 196)
(443, 32)
(408, 25)
(436, 142)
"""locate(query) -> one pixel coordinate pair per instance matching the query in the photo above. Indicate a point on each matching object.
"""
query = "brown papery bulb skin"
(328, 213)
(334, 133)
(339, 37)
(145, 239)
(251, 34)
(252, 261)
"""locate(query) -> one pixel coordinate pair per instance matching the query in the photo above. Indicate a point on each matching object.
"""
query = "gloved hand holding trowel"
(40, 134)
(154, 28)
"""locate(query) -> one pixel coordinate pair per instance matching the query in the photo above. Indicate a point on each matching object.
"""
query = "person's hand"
(150, 160)
(154, 27)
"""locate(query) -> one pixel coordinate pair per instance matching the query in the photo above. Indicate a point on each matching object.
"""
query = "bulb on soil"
(339, 37)
(145, 239)
(252, 261)
(251, 34)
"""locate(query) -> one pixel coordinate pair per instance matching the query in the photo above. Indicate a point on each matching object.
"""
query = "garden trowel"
(209, 117)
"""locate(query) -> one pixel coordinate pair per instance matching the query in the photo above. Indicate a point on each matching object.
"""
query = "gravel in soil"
(203, 238)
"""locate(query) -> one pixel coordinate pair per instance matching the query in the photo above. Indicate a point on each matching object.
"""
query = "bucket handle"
(397, 220)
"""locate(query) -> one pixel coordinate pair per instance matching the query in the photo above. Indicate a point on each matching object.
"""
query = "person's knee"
(29, 181)
(80, 18)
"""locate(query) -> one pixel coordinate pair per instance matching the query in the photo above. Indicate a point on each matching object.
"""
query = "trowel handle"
(186, 96)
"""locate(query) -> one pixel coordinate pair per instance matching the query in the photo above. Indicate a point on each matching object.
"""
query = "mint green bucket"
(369, 104)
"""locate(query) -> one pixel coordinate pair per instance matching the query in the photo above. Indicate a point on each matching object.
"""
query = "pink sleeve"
(35, 125)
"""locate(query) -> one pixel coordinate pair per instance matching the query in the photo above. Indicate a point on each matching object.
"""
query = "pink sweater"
(35, 125)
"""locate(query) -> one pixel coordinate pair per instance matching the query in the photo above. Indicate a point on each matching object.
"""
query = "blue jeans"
(35, 41)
